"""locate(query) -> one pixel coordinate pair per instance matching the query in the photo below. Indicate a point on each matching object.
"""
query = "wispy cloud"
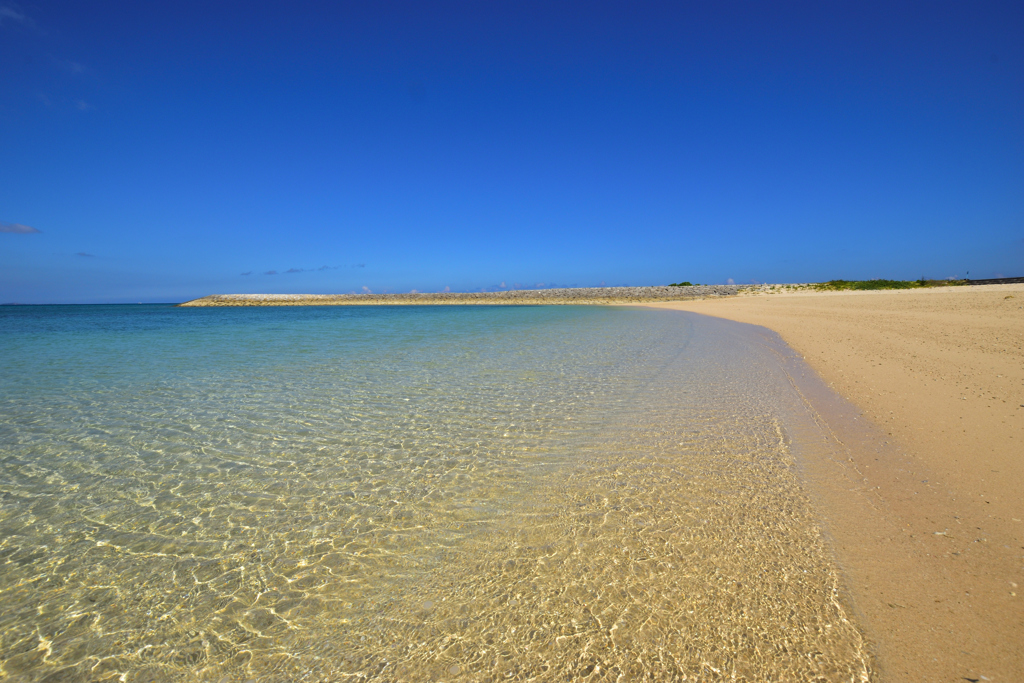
(68, 65)
(82, 105)
(294, 271)
(17, 228)
(9, 12)
(82, 253)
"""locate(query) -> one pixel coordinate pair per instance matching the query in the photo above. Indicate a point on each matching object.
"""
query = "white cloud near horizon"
(294, 271)
(18, 229)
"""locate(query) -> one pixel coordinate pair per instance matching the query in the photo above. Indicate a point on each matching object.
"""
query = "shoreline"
(924, 507)
(515, 297)
(923, 504)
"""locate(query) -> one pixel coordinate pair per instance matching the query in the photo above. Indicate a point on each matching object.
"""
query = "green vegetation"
(836, 285)
(684, 283)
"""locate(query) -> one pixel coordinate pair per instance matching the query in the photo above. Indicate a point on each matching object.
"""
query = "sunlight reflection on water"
(404, 494)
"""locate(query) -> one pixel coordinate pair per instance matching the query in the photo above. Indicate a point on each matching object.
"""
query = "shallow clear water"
(422, 493)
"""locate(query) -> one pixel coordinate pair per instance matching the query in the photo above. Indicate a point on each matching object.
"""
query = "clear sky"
(161, 151)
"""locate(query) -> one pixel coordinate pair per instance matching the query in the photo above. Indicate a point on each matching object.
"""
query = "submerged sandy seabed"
(927, 523)
(413, 495)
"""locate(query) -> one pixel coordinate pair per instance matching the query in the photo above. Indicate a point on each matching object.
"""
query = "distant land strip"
(997, 281)
(516, 297)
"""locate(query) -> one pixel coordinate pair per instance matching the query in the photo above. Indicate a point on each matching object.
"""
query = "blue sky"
(160, 151)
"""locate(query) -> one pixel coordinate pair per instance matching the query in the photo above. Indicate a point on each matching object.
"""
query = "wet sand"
(924, 505)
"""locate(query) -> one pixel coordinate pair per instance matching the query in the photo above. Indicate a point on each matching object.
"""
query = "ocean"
(423, 493)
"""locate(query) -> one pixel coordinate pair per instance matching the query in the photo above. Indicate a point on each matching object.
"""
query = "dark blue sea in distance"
(404, 494)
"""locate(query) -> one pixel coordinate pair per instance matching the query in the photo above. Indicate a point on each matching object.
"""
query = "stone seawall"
(518, 297)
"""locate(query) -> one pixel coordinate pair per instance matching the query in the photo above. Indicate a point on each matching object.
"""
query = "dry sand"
(929, 532)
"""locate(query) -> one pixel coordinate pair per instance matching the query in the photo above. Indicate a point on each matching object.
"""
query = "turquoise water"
(404, 493)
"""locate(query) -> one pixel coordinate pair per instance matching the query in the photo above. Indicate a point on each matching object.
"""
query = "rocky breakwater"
(516, 297)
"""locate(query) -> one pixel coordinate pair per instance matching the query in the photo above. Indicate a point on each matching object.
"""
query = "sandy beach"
(927, 522)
